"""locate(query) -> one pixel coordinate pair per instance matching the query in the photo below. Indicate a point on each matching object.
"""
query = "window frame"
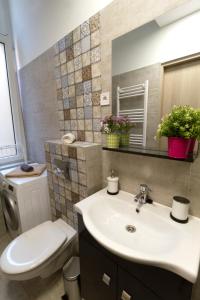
(15, 106)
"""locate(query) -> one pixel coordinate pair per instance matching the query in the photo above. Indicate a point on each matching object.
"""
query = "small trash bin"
(71, 277)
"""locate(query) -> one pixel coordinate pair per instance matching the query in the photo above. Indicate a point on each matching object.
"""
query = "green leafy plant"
(183, 121)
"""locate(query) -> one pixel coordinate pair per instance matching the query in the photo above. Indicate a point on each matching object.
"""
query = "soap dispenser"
(113, 184)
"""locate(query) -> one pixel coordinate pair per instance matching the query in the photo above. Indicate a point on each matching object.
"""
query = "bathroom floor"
(35, 289)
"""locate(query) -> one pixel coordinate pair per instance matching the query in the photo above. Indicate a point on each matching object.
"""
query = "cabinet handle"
(125, 296)
(106, 279)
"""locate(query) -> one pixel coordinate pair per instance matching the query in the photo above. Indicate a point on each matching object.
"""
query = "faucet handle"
(144, 188)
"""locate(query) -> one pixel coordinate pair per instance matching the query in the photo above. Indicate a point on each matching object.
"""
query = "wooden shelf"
(149, 152)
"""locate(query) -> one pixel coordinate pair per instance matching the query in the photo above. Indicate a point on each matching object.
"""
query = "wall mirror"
(155, 67)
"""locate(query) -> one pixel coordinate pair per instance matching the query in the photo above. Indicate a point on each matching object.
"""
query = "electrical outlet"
(105, 99)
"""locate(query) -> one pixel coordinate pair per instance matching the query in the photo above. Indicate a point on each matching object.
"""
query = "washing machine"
(25, 201)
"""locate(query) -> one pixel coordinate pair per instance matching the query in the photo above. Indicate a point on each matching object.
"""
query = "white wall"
(5, 23)
(4, 18)
(151, 44)
(37, 24)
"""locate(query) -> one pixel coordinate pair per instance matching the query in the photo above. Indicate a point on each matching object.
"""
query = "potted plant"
(110, 126)
(195, 130)
(125, 126)
(182, 127)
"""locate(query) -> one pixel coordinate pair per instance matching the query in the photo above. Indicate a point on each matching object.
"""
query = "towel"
(68, 138)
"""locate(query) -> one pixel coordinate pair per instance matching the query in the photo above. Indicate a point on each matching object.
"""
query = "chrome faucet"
(142, 197)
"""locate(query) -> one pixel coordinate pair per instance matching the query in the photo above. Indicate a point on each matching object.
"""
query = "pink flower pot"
(192, 144)
(178, 147)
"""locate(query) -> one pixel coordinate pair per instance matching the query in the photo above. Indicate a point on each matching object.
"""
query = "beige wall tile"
(96, 70)
(82, 179)
(88, 124)
(97, 137)
(71, 91)
(95, 38)
(71, 79)
(81, 125)
(96, 111)
(64, 150)
(63, 69)
(57, 60)
(78, 76)
(89, 136)
(81, 166)
(96, 84)
(74, 126)
(76, 34)
(70, 66)
(86, 59)
(79, 101)
(73, 113)
(81, 153)
(63, 57)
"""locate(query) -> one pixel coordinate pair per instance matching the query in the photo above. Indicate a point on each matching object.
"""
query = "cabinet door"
(98, 274)
(129, 288)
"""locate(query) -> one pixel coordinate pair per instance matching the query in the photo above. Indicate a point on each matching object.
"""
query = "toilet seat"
(32, 248)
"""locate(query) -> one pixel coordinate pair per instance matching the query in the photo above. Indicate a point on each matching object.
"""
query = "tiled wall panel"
(84, 160)
(78, 81)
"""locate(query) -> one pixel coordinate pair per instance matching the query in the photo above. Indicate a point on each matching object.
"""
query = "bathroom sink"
(149, 237)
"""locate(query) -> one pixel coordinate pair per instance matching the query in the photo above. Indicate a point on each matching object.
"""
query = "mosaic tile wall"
(78, 81)
(85, 173)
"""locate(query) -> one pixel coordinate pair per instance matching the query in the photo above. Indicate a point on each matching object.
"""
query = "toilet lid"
(32, 248)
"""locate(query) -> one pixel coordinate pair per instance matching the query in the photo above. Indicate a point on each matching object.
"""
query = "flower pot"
(124, 139)
(192, 144)
(112, 140)
(178, 147)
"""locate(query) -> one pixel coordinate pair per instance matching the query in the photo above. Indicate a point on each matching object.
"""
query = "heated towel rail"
(135, 115)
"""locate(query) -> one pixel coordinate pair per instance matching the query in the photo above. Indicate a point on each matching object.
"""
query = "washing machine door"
(10, 211)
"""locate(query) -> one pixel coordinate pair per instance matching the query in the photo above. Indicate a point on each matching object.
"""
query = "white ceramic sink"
(158, 240)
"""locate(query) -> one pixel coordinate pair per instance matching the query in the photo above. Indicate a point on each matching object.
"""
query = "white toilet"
(40, 251)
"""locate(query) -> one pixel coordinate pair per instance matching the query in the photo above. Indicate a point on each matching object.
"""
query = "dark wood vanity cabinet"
(129, 288)
(98, 274)
(105, 276)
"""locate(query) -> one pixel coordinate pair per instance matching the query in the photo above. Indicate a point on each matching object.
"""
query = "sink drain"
(131, 228)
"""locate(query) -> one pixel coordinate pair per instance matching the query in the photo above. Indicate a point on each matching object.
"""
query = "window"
(7, 132)
(11, 126)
